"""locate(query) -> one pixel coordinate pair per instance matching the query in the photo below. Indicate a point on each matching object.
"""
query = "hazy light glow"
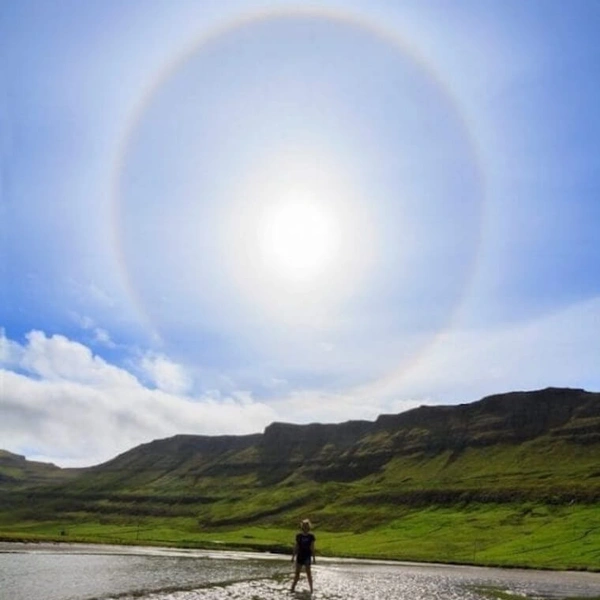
(286, 208)
(222, 214)
(290, 238)
(298, 237)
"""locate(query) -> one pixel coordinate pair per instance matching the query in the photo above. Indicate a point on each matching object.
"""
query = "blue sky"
(219, 215)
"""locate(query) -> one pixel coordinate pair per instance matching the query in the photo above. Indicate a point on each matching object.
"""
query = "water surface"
(90, 572)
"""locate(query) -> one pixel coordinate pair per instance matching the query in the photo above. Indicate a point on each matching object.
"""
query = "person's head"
(305, 525)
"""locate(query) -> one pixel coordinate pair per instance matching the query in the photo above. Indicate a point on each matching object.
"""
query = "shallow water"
(82, 572)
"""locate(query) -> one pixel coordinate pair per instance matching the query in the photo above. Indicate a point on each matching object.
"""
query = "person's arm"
(312, 552)
(295, 551)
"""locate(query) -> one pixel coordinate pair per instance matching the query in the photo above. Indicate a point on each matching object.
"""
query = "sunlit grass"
(530, 505)
(526, 535)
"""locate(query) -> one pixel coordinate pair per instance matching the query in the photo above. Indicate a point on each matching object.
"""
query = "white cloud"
(57, 358)
(274, 382)
(165, 374)
(10, 351)
(96, 294)
(463, 365)
(100, 335)
(84, 321)
(312, 406)
(61, 403)
(558, 349)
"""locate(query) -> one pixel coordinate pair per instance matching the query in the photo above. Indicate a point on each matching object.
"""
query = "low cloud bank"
(60, 403)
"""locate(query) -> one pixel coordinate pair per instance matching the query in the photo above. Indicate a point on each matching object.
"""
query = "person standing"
(304, 553)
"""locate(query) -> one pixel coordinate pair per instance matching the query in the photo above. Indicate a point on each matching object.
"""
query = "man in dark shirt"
(304, 553)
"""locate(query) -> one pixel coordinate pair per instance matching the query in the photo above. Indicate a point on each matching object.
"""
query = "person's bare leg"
(309, 577)
(296, 576)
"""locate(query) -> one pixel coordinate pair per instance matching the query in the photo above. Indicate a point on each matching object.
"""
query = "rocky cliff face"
(320, 451)
(352, 450)
(504, 418)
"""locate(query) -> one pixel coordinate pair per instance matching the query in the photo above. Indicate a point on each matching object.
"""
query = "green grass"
(538, 467)
(535, 504)
(503, 535)
(525, 535)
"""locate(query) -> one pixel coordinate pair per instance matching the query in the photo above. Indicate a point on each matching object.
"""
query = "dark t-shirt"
(304, 541)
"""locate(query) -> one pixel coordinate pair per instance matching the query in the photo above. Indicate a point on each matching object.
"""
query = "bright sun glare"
(299, 238)
(289, 239)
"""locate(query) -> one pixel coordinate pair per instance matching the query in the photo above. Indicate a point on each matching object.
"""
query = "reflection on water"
(81, 572)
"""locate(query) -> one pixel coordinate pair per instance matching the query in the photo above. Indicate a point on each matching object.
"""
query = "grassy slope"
(383, 515)
(534, 503)
(528, 535)
(536, 467)
(17, 472)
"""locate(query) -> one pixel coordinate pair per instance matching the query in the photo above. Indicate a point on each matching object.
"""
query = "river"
(91, 572)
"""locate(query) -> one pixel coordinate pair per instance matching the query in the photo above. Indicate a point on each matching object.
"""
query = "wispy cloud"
(165, 374)
(556, 349)
(99, 335)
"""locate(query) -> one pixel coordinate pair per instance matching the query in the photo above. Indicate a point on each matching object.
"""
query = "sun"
(297, 240)
(299, 237)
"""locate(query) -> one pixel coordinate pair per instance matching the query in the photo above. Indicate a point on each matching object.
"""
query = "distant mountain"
(542, 445)
(16, 472)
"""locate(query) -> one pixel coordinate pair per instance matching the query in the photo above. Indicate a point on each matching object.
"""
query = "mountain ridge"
(347, 451)
(432, 483)
(513, 416)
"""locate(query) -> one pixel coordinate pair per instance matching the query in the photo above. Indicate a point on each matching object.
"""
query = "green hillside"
(513, 479)
(16, 472)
